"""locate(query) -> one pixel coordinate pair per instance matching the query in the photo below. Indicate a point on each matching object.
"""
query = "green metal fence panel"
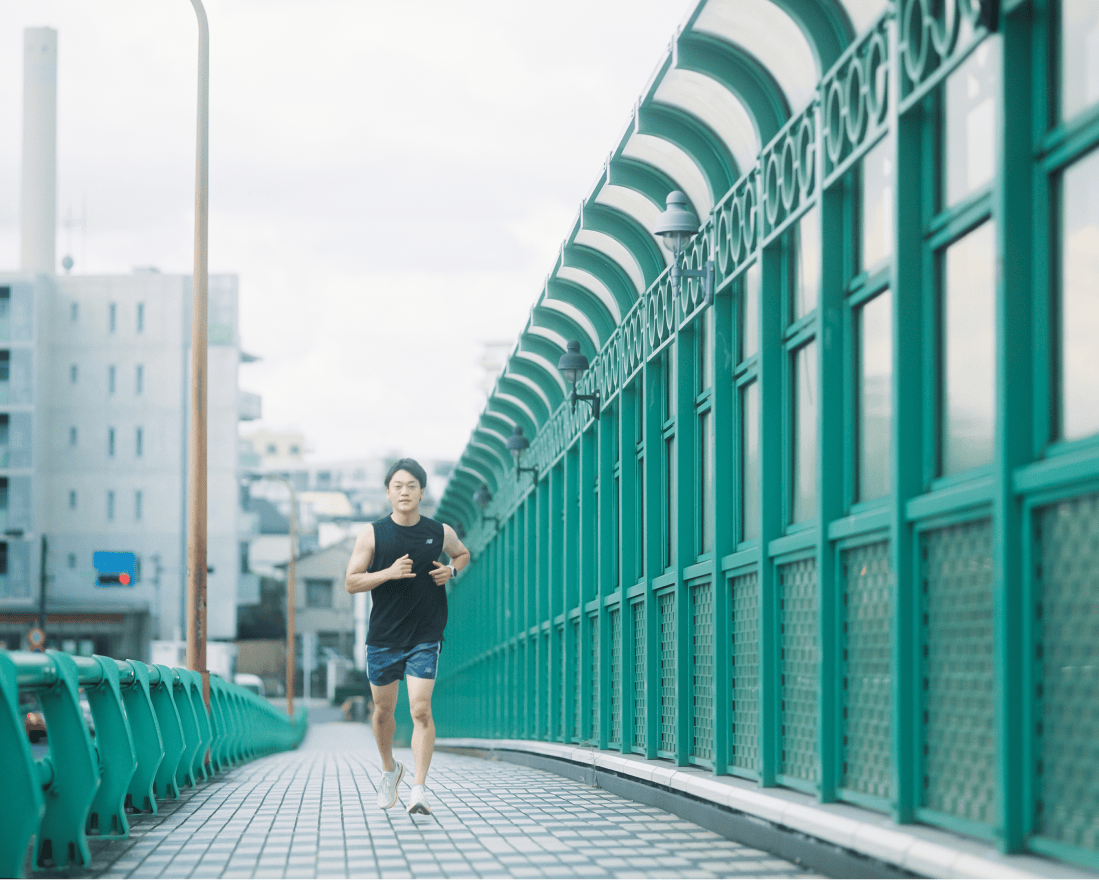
(148, 742)
(1066, 792)
(702, 673)
(115, 746)
(799, 612)
(957, 674)
(579, 673)
(744, 755)
(640, 679)
(166, 785)
(668, 660)
(596, 678)
(615, 735)
(867, 685)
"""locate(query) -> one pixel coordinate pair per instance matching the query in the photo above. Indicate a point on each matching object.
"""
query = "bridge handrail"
(153, 736)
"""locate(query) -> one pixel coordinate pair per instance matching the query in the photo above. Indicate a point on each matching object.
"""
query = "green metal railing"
(832, 531)
(153, 736)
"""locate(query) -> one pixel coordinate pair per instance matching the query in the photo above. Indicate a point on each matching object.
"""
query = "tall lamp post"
(196, 496)
(291, 587)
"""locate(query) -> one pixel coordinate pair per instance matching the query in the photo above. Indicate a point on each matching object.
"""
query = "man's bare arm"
(456, 550)
(358, 579)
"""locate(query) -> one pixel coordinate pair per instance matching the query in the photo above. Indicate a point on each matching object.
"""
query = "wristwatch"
(453, 571)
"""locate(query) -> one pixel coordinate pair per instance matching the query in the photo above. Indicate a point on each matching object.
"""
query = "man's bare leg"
(423, 724)
(383, 722)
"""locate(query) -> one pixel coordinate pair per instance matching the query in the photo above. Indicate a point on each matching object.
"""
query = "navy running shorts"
(387, 665)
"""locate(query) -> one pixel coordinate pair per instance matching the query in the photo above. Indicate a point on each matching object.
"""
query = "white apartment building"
(96, 455)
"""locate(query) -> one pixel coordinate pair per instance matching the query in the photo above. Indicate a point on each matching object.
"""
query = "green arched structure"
(837, 531)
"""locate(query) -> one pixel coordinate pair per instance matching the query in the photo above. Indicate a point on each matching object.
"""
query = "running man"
(396, 560)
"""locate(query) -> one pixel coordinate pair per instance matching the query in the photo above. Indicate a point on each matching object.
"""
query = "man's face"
(404, 492)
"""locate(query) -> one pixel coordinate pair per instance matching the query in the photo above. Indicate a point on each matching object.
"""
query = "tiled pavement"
(312, 813)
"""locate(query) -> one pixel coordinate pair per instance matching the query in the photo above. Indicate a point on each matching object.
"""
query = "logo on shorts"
(429, 540)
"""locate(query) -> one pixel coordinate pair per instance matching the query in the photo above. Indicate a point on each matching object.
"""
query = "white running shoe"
(417, 801)
(387, 791)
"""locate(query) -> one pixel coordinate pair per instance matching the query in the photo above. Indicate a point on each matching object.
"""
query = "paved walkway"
(312, 813)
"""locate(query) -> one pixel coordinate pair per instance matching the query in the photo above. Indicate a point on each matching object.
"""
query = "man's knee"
(421, 712)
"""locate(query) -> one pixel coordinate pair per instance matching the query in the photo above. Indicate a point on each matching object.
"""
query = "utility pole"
(42, 578)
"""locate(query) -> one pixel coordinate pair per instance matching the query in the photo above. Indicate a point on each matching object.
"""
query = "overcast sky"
(390, 180)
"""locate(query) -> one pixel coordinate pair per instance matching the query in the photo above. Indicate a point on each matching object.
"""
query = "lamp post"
(483, 497)
(291, 586)
(676, 226)
(517, 444)
(196, 495)
(572, 366)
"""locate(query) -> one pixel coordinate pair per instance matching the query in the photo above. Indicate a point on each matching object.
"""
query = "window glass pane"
(877, 204)
(875, 413)
(805, 433)
(806, 289)
(1080, 299)
(969, 124)
(1079, 56)
(669, 501)
(749, 312)
(705, 349)
(705, 479)
(968, 327)
(749, 465)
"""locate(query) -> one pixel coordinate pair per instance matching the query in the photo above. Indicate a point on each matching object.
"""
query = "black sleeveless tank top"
(411, 611)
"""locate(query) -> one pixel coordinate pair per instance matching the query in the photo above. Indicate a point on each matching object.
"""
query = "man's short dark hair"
(410, 465)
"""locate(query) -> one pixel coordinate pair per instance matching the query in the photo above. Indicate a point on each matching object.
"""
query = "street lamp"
(291, 586)
(483, 497)
(196, 495)
(676, 226)
(518, 444)
(572, 366)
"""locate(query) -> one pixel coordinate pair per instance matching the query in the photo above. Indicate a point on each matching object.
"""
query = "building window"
(1079, 67)
(876, 216)
(72, 436)
(805, 290)
(112, 317)
(874, 322)
(968, 326)
(4, 498)
(271, 449)
(139, 379)
(804, 422)
(72, 499)
(72, 560)
(139, 442)
(110, 505)
(5, 366)
(969, 124)
(73, 372)
(141, 317)
(1079, 318)
(110, 442)
(4, 451)
(318, 593)
(749, 462)
(74, 312)
(138, 504)
(110, 379)
(244, 566)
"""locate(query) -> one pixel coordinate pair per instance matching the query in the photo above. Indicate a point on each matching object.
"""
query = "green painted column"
(686, 536)
(723, 511)
(908, 432)
(773, 486)
(834, 453)
(1013, 200)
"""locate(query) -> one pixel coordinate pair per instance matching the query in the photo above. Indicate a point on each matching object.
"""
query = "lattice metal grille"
(638, 610)
(595, 677)
(957, 672)
(702, 673)
(577, 677)
(1067, 672)
(867, 676)
(615, 735)
(667, 671)
(799, 619)
(745, 678)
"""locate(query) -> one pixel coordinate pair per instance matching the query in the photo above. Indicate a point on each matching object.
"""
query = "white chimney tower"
(39, 150)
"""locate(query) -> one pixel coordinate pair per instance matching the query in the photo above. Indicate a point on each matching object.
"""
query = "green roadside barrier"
(152, 736)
